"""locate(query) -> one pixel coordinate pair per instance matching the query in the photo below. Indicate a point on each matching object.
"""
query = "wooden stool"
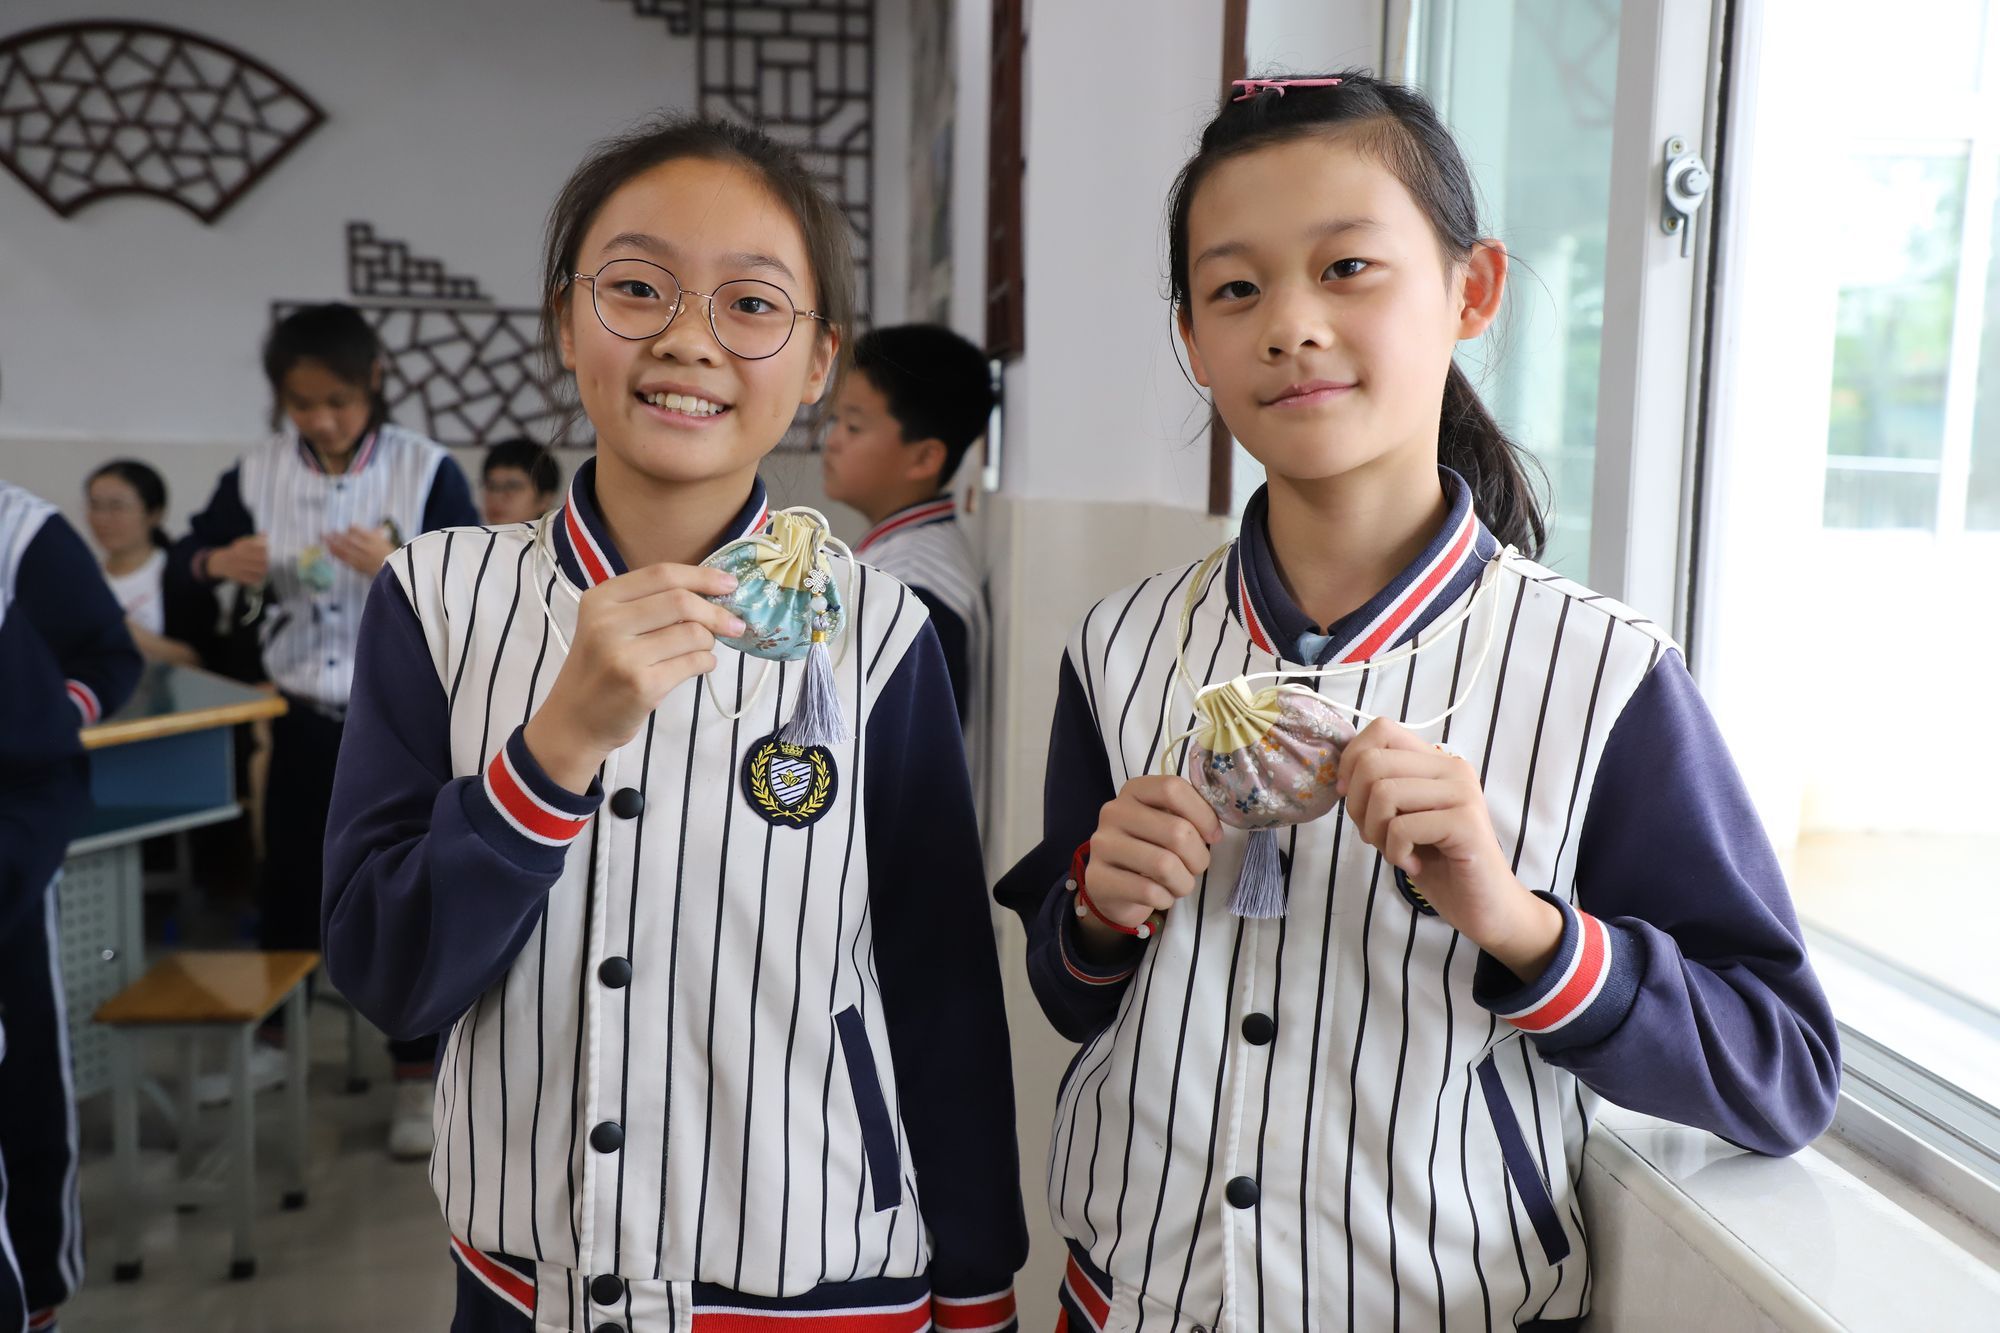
(189, 995)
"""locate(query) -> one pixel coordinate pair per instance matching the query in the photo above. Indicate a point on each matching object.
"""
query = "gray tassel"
(818, 720)
(1260, 886)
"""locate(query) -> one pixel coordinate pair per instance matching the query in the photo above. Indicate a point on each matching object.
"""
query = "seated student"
(518, 482)
(67, 661)
(171, 619)
(918, 398)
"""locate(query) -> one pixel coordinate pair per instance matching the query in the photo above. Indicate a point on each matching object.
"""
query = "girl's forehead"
(695, 212)
(1298, 191)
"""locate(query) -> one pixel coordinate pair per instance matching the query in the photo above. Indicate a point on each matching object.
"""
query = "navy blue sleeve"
(222, 522)
(953, 641)
(62, 593)
(434, 882)
(449, 504)
(1682, 987)
(940, 979)
(1080, 997)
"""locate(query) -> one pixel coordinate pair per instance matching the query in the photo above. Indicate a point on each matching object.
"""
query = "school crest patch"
(790, 786)
(1412, 895)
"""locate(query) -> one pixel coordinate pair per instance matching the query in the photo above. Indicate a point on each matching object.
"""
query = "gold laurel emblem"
(808, 807)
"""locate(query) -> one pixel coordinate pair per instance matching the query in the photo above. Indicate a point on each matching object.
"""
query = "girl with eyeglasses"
(726, 1037)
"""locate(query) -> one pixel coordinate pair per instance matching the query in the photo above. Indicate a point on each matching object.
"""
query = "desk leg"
(188, 1118)
(243, 1173)
(297, 1052)
(125, 1145)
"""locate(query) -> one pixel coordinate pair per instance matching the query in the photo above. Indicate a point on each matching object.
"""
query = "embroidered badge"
(1408, 888)
(790, 786)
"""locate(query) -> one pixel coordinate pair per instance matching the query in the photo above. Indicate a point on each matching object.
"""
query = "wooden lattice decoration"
(89, 110)
(461, 373)
(678, 14)
(803, 71)
(378, 267)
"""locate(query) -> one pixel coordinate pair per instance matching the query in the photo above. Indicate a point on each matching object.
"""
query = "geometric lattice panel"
(679, 14)
(803, 71)
(89, 110)
(462, 374)
(377, 267)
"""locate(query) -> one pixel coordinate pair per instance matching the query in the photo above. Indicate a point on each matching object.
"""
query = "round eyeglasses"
(636, 299)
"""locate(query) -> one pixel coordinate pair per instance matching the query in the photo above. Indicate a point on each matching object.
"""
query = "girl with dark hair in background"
(1372, 850)
(302, 525)
(171, 619)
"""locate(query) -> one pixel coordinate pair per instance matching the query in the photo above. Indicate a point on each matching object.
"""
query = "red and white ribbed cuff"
(526, 811)
(85, 700)
(1573, 989)
(974, 1314)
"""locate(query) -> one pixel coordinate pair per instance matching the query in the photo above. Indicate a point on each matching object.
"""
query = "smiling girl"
(1346, 1000)
(726, 1039)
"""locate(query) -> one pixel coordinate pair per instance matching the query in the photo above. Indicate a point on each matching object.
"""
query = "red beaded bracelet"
(1087, 908)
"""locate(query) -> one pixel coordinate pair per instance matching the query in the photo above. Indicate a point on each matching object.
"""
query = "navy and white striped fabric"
(927, 548)
(397, 478)
(1349, 1117)
(689, 1048)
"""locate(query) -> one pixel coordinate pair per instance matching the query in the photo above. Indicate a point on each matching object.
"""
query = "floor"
(368, 1252)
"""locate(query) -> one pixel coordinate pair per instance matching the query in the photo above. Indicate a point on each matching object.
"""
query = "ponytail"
(1471, 443)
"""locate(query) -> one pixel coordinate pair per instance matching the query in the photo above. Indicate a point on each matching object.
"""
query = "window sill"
(1827, 1239)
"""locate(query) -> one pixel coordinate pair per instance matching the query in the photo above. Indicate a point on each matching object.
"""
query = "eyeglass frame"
(681, 304)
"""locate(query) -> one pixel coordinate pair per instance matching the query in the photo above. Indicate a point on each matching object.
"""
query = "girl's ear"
(565, 340)
(1485, 277)
(826, 355)
(1186, 328)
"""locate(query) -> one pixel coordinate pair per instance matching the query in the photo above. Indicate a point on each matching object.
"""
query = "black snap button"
(609, 1136)
(1259, 1029)
(609, 1328)
(1304, 682)
(615, 972)
(606, 1289)
(1241, 1192)
(626, 803)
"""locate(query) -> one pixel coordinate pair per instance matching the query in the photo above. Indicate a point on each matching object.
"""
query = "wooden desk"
(163, 763)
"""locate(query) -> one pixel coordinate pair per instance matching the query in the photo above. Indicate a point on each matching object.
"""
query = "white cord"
(1196, 595)
(545, 549)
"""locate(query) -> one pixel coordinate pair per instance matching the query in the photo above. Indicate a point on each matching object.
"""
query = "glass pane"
(1982, 501)
(1892, 332)
(1527, 87)
(1871, 499)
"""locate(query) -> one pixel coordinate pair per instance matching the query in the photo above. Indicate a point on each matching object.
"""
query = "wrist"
(570, 762)
(1528, 936)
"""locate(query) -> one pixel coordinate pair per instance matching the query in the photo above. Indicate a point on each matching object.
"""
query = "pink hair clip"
(1251, 87)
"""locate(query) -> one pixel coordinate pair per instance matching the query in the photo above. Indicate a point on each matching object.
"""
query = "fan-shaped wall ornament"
(89, 110)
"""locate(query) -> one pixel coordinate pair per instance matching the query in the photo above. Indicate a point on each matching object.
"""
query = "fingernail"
(1340, 787)
(733, 626)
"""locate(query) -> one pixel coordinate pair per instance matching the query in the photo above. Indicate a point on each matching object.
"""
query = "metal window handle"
(1684, 187)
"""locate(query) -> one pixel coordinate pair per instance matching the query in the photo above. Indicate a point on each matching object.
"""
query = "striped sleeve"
(1681, 987)
(1078, 996)
(434, 881)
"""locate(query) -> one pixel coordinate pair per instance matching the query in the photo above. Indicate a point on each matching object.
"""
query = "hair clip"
(1251, 87)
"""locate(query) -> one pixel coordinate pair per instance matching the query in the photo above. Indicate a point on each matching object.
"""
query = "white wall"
(132, 328)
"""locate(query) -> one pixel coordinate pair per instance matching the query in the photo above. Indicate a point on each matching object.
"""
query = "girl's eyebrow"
(1319, 232)
(664, 249)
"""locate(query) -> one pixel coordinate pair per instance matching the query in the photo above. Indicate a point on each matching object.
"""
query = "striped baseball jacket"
(67, 660)
(1350, 1117)
(727, 1041)
(925, 547)
(398, 478)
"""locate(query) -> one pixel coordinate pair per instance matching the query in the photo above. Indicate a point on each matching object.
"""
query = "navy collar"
(940, 509)
(362, 451)
(583, 543)
(1449, 564)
